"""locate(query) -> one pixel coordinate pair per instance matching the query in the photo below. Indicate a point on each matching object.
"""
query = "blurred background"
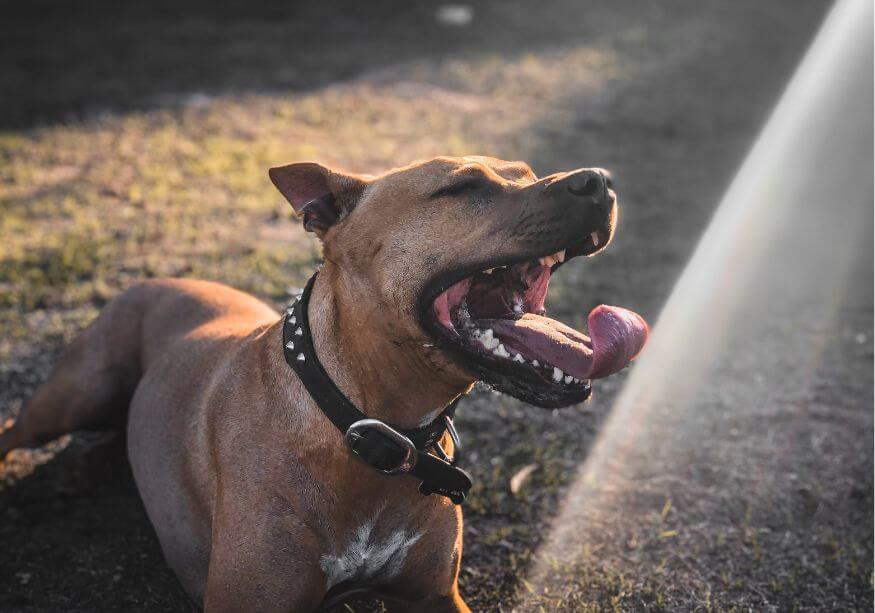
(135, 141)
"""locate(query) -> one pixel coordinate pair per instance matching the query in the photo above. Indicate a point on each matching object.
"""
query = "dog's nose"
(587, 191)
(587, 183)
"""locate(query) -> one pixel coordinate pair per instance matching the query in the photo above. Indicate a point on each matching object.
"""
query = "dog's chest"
(372, 555)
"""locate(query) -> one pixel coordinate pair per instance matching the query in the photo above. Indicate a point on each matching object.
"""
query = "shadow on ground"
(60, 61)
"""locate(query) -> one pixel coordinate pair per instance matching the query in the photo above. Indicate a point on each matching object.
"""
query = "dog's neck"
(386, 377)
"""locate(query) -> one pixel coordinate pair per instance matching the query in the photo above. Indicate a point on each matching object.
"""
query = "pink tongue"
(617, 337)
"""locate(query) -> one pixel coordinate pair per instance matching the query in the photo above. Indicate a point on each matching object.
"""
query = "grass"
(90, 208)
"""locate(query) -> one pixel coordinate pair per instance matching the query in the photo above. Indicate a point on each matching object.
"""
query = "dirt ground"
(134, 142)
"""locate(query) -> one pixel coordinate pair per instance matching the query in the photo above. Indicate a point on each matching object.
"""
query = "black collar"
(390, 450)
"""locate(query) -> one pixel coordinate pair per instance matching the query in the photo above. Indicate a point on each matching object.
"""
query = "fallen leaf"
(520, 476)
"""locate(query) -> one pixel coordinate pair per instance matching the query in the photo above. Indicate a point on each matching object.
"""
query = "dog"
(434, 276)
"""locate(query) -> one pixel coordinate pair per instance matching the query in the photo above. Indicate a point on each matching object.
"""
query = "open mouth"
(495, 321)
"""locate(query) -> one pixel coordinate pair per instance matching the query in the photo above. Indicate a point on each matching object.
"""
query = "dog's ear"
(320, 195)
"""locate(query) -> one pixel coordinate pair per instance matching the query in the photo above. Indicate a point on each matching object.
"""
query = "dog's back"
(92, 384)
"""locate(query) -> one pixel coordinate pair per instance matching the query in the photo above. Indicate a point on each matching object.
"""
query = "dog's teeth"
(290, 345)
(300, 357)
(568, 379)
(595, 239)
(501, 351)
(519, 358)
(488, 271)
(549, 260)
(557, 374)
(488, 340)
(535, 363)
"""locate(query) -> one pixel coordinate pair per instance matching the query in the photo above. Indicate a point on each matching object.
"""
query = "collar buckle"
(381, 446)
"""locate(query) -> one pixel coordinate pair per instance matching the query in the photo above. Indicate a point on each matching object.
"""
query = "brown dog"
(434, 276)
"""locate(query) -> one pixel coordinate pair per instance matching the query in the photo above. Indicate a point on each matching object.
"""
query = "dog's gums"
(498, 318)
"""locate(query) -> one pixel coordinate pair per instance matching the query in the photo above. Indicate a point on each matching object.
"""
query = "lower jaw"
(531, 390)
(494, 348)
(478, 336)
(535, 385)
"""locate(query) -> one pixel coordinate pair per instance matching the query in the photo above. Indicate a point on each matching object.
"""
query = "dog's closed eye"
(470, 184)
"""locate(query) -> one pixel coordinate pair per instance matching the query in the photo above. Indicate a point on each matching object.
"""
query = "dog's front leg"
(257, 568)
(229, 592)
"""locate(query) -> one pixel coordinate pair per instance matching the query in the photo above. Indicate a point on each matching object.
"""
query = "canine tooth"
(568, 379)
(555, 258)
(501, 351)
(595, 239)
(300, 357)
(290, 345)
(535, 363)
(488, 340)
(519, 358)
(557, 374)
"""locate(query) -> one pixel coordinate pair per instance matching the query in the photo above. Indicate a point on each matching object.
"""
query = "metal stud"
(292, 320)
(290, 345)
(300, 357)
(299, 332)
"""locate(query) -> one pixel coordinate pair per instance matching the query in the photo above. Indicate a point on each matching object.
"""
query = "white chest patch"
(368, 558)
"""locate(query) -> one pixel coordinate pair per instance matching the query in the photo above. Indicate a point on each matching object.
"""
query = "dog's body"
(256, 502)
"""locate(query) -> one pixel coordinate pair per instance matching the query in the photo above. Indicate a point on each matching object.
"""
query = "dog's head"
(457, 253)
